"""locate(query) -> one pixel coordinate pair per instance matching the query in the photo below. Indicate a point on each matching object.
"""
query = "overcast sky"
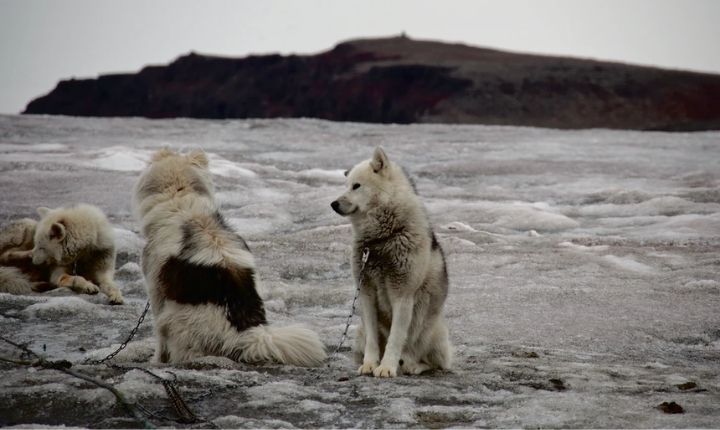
(43, 41)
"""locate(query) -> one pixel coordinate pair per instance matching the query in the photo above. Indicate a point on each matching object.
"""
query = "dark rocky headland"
(402, 80)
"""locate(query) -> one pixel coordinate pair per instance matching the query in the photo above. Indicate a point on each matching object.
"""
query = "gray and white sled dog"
(405, 281)
(200, 274)
(72, 247)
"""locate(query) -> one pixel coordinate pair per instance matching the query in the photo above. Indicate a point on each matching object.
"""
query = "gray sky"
(43, 41)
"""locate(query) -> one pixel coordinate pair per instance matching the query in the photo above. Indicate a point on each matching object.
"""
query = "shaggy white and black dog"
(200, 274)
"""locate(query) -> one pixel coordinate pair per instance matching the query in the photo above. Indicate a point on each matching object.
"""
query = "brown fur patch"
(231, 288)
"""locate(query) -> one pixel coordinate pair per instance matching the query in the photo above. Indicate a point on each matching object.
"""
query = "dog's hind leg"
(409, 365)
(77, 284)
(11, 257)
(108, 287)
(359, 348)
(162, 352)
(439, 352)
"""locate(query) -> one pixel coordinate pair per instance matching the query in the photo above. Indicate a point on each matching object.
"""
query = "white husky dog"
(200, 274)
(72, 247)
(405, 282)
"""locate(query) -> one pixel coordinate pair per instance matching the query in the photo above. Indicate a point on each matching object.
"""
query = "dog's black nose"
(335, 205)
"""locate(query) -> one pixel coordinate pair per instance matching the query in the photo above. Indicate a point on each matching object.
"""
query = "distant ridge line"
(401, 80)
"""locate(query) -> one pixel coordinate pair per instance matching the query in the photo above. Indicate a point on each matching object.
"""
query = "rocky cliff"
(404, 81)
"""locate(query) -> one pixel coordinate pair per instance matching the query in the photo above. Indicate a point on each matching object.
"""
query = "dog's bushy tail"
(295, 345)
(13, 281)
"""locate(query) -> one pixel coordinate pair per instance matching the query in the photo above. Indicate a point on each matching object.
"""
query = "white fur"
(79, 243)
(176, 190)
(13, 281)
(405, 280)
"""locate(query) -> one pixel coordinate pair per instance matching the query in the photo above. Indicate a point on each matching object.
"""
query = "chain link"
(185, 414)
(125, 343)
(183, 411)
(365, 256)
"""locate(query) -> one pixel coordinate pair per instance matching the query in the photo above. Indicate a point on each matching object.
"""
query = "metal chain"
(365, 256)
(181, 408)
(125, 343)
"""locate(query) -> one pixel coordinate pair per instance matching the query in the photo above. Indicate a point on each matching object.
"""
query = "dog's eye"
(356, 186)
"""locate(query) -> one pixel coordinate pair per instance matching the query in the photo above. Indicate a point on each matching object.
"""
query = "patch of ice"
(259, 220)
(459, 243)
(32, 147)
(457, 226)
(120, 158)
(43, 426)
(129, 270)
(666, 205)
(525, 217)
(401, 410)
(327, 411)
(234, 421)
(126, 240)
(137, 384)
(619, 196)
(703, 285)
(578, 247)
(226, 168)
(138, 351)
(276, 393)
(58, 307)
(335, 176)
(212, 362)
(628, 263)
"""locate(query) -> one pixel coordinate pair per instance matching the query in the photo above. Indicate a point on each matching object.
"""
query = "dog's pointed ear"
(379, 160)
(42, 211)
(57, 231)
(163, 153)
(198, 158)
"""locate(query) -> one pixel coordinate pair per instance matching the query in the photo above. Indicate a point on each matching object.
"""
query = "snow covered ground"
(584, 267)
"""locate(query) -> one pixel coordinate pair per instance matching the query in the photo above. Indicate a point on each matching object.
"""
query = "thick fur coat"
(17, 273)
(405, 280)
(201, 276)
(71, 247)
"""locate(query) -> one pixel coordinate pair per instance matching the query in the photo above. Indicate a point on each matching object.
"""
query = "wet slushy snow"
(584, 268)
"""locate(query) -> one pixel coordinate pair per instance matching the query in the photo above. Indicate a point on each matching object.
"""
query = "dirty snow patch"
(628, 263)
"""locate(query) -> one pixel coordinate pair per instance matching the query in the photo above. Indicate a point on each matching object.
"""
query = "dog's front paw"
(367, 367)
(82, 286)
(383, 371)
(87, 288)
(78, 284)
(116, 299)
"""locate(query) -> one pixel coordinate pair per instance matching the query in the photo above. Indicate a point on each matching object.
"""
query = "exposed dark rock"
(670, 408)
(403, 81)
(558, 384)
(525, 354)
(687, 386)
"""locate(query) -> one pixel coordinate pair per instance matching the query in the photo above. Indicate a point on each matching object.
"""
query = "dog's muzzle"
(336, 207)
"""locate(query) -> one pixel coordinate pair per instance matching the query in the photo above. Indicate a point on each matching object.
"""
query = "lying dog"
(405, 281)
(17, 273)
(70, 247)
(78, 244)
(200, 274)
